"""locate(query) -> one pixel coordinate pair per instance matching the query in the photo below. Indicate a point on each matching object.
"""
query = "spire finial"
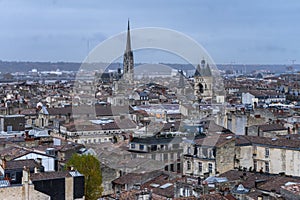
(128, 28)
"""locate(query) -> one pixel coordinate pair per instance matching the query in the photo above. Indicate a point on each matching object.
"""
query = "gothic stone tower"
(128, 64)
(203, 81)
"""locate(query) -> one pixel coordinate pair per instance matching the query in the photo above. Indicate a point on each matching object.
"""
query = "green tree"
(89, 166)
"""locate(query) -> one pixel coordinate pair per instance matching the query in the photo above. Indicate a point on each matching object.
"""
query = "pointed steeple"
(128, 43)
(128, 63)
(181, 79)
(198, 71)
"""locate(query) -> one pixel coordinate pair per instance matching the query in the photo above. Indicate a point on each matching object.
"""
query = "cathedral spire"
(128, 43)
(128, 63)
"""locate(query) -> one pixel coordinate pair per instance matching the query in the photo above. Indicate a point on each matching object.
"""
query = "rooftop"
(19, 164)
(279, 142)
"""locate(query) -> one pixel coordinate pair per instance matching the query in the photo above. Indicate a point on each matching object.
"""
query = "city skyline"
(231, 31)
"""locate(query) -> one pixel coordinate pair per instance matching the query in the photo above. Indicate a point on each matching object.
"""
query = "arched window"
(200, 86)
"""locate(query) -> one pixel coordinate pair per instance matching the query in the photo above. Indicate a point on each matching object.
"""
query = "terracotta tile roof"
(162, 180)
(271, 127)
(204, 197)
(246, 178)
(276, 182)
(212, 197)
(98, 110)
(19, 164)
(132, 178)
(30, 111)
(129, 195)
(117, 124)
(13, 152)
(230, 197)
(293, 188)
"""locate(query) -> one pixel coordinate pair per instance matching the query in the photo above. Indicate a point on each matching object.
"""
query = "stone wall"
(22, 193)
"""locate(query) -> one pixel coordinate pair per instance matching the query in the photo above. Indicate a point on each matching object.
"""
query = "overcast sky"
(257, 31)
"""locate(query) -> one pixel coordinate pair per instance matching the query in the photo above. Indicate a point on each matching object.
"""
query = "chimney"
(25, 176)
(39, 161)
(25, 182)
(36, 170)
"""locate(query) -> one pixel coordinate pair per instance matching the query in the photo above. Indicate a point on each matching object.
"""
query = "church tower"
(128, 64)
(203, 81)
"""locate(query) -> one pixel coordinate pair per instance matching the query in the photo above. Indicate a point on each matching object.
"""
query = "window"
(200, 166)
(165, 156)
(153, 147)
(210, 167)
(188, 165)
(267, 152)
(142, 147)
(132, 146)
(189, 150)
(255, 165)
(9, 128)
(267, 167)
(13, 176)
(153, 156)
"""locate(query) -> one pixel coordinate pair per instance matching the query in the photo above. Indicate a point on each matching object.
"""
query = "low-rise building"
(209, 156)
(59, 185)
(270, 155)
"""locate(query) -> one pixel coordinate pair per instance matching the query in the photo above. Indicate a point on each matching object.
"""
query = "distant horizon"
(28, 61)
